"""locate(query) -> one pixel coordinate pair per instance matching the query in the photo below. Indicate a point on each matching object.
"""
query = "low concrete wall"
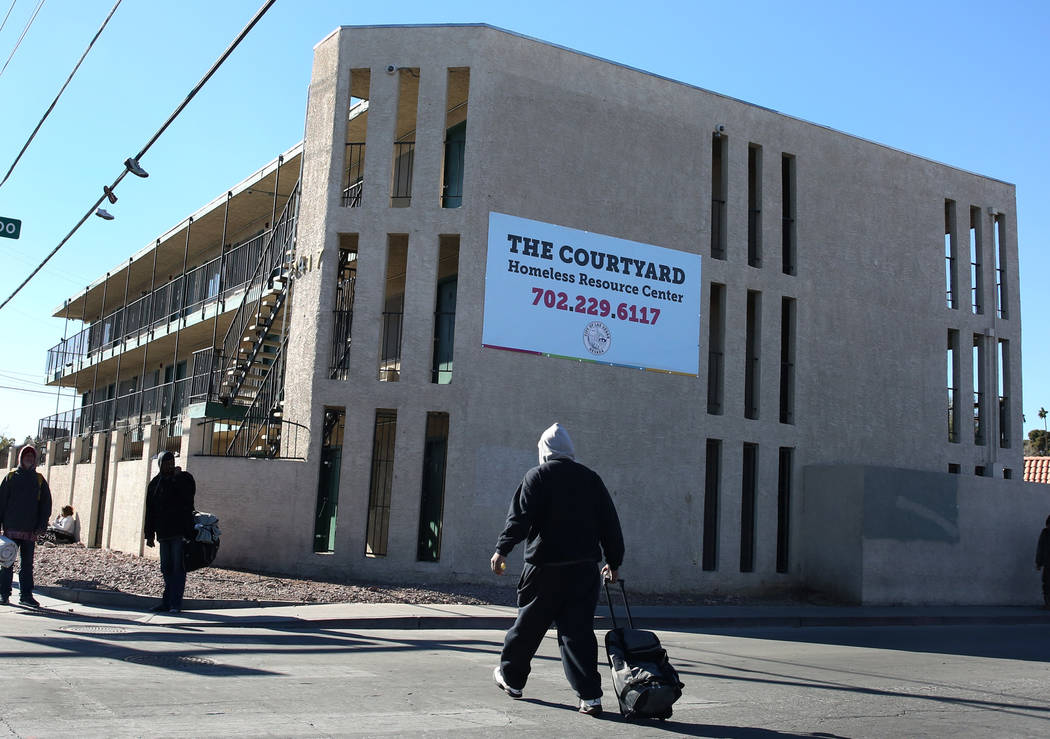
(262, 512)
(876, 535)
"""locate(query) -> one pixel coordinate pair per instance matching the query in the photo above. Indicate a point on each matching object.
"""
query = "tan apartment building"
(792, 354)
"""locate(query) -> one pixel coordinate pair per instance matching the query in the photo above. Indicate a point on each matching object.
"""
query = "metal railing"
(953, 429)
(158, 404)
(160, 307)
(215, 442)
(259, 431)
(978, 425)
(390, 347)
(353, 184)
(272, 265)
(62, 448)
(1004, 424)
(444, 341)
(401, 185)
(87, 445)
(452, 187)
(134, 442)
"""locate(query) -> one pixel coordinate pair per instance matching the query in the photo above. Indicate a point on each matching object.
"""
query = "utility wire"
(27, 390)
(24, 32)
(138, 157)
(4, 23)
(53, 102)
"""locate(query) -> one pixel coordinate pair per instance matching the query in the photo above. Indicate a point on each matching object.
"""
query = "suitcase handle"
(627, 607)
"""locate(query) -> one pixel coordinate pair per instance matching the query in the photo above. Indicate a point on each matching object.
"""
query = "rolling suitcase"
(645, 682)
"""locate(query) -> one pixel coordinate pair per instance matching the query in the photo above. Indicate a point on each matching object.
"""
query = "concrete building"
(793, 354)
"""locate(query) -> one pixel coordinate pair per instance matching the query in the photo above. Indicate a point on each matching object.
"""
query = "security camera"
(720, 129)
(390, 69)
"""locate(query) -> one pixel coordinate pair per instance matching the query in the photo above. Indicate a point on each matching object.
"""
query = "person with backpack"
(564, 512)
(25, 507)
(169, 520)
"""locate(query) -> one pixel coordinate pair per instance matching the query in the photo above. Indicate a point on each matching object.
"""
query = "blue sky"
(964, 83)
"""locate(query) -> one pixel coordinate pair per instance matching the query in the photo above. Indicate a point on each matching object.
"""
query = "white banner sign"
(562, 292)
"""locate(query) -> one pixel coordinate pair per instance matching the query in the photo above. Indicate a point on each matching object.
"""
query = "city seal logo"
(597, 337)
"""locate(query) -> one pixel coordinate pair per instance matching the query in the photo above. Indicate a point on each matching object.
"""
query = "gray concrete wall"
(876, 535)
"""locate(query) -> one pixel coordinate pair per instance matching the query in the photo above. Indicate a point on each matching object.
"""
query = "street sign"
(10, 228)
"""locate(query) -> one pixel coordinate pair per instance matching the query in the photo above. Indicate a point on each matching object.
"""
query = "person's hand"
(498, 563)
(149, 542)
(609, 574)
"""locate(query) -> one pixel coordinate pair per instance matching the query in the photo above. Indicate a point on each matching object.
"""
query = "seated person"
(64, 526)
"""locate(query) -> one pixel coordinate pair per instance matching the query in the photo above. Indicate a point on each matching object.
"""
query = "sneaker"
(591, 706)
(497, 675)
(29, 601)
(174, 610)
(159, 608)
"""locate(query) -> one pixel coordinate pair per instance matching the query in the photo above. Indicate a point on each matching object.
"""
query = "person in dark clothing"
(567, 518)
(1042, 561)
(169, 520)
(25, 507)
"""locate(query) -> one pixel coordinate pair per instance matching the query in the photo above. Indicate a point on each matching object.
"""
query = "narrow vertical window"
(404, 137)
(976, 278)
(787, 223)
(719, 194)
(752, 342)
(328, 480)
(979, 399)
(749, 488)
(1004, 393)
(380, 483)
(950, 255)
(356, 129)
(754, 205)
(445, 309)
(455, 137)
(712, 478)
(432, 494)
(953, 386)
(343, 309)
(998, 234)
(786, 470)
(787, 360)
(716, 349)
(393, 308)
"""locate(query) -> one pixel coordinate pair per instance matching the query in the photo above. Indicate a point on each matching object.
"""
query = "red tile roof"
(1037, 469)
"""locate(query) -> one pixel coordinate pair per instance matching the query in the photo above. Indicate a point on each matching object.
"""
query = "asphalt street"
(116, 674)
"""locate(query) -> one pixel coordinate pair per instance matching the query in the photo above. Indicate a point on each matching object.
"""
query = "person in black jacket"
(169, 520)
(567, 518)
(1042, 560)
(25, 507)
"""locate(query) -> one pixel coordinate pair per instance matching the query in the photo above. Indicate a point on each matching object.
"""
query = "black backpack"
(646, 683)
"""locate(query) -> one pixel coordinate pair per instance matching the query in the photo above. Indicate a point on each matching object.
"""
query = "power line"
(138, 157)
(4, 23)
(53, 102)
(27, 390)
(24, 32)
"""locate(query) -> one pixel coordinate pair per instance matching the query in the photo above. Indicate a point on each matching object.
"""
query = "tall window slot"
(1004, 394)
(787, 223)
(712, 478)
(754, 205)
(953, 386)
(356, 128)
(328, 480)
(432, 495)
(752, 342)
(719, 194)
(343, 310)
(404, 137)
(381, 483)
(716, 349)
(979, 399)
(787, 458)
(445, 309)
(976, 278)
(998, 228)
(749, 488)
(787, 360)
(455, 137)
(393, 308)
(950, 255)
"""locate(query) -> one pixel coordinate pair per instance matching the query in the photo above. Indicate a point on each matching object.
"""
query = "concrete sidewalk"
(121, 606)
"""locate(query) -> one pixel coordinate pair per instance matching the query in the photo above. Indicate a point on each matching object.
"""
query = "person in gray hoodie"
(25, 507)
(567, 518)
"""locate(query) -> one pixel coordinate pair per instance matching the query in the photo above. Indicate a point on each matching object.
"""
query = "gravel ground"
(74, 566)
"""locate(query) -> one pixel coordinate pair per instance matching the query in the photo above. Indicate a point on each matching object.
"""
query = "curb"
(117, 599)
